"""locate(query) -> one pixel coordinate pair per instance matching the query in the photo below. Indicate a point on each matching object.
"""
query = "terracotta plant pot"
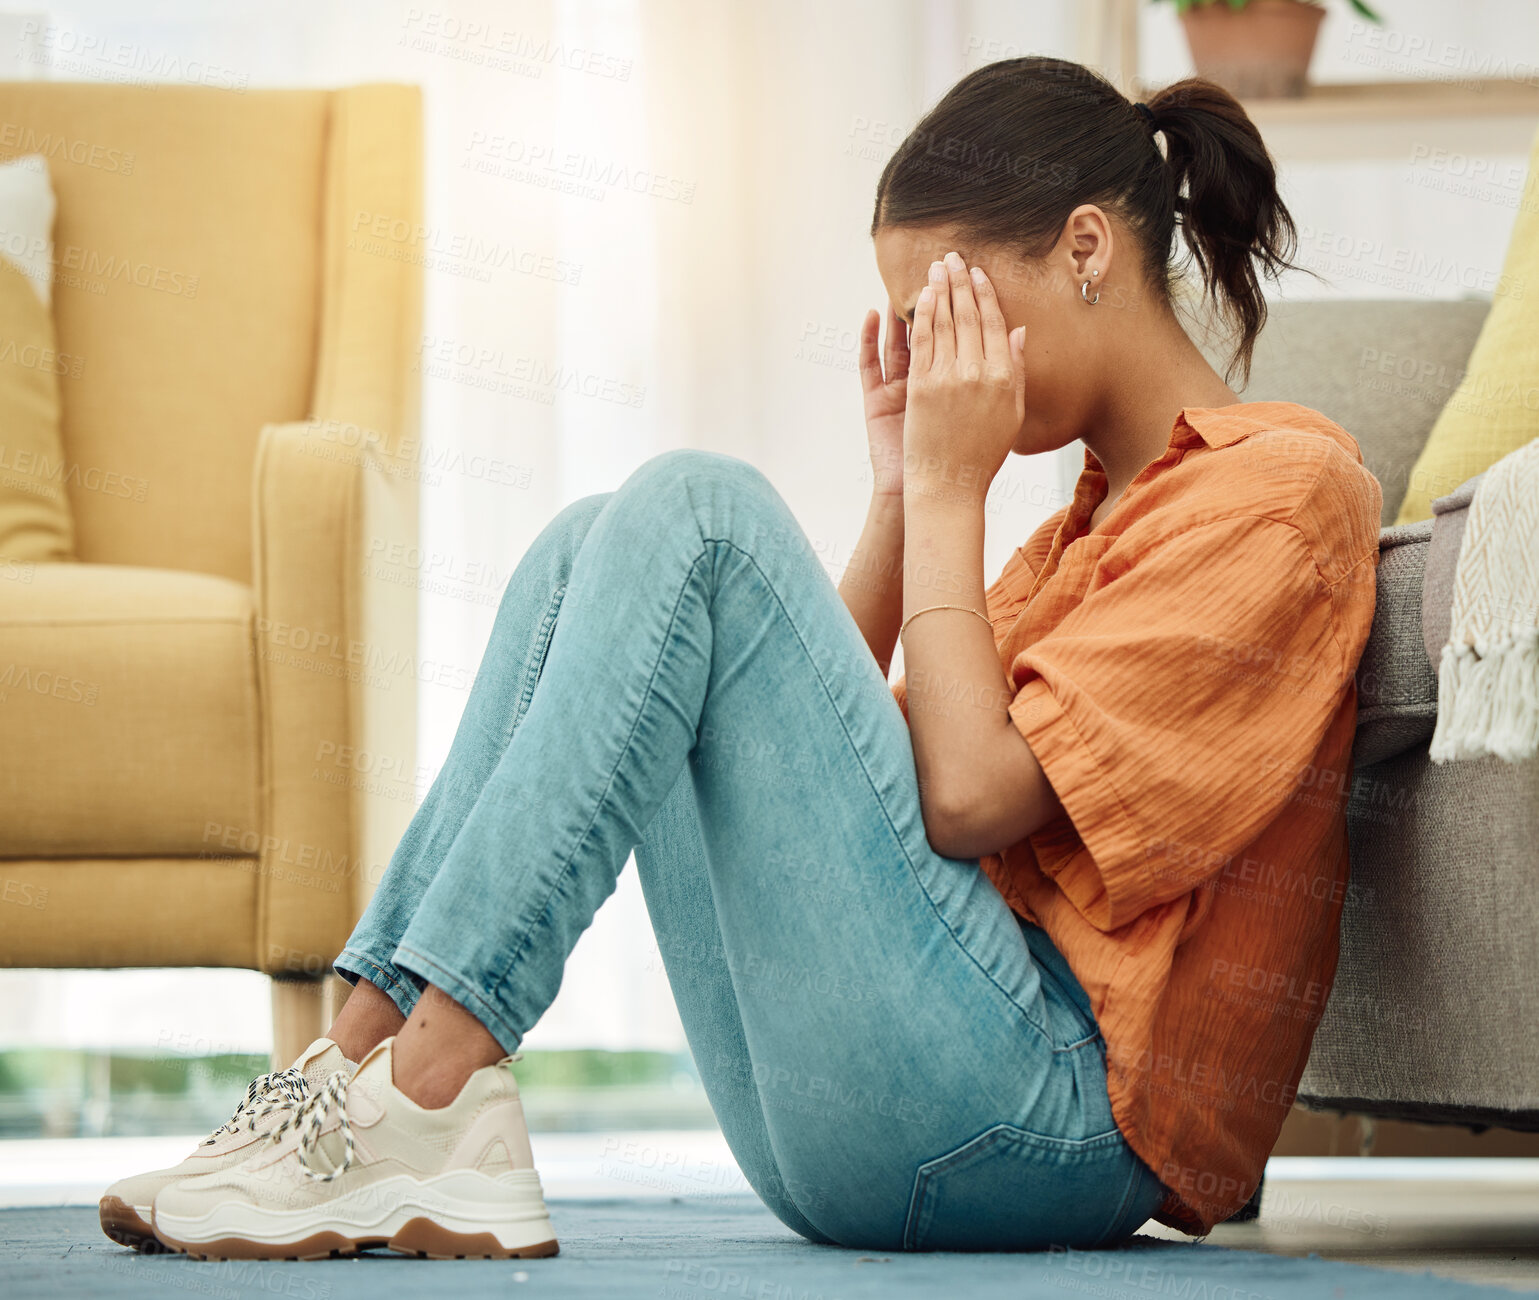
(1259, 52)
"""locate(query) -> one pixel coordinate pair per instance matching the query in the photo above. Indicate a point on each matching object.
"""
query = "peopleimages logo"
(505, 49)
(101, 58)
(454, 252)
(18, 138)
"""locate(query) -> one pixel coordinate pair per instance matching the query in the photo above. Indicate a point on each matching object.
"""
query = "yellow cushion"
(100, 912)
(34, 513)
(131, 718)
(1493, 411)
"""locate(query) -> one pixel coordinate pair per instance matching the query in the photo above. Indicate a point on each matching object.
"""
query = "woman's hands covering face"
(966, 383)
(884, 389)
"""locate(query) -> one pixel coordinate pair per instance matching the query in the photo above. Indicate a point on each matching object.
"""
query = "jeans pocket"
(1012, 1189)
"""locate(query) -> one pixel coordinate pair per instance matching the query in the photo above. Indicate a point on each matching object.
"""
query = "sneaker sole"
(480, 1218)
(123, 1224)
(421, 1238)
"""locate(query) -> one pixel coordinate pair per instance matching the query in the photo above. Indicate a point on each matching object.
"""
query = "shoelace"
(278, 1090)
(311, 1115)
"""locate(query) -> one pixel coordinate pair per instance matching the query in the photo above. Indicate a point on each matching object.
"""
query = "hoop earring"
(1084, 292)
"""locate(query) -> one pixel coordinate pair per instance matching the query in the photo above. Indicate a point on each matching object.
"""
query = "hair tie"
(1145, 112)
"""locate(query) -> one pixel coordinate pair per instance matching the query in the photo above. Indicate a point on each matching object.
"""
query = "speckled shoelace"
(278, 1090)
(309, 1118)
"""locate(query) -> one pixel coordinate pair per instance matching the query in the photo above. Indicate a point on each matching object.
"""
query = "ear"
(1084, 245)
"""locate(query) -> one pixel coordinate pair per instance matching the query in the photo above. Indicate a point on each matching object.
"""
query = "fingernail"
(977, 277)
(926, 294)
(937, 271)
(955, 262)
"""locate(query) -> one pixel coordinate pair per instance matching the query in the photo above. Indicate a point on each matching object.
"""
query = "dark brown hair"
(1016, 146)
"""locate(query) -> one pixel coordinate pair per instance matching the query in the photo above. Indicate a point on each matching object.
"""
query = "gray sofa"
(1434, 1011)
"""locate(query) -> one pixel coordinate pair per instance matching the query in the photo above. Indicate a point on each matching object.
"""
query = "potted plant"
(1256, 49)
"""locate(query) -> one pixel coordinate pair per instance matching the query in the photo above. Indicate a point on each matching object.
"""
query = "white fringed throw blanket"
(1488, 680)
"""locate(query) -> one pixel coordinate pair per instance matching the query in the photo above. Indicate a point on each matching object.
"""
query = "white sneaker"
(362, 1165)
(125, 1206)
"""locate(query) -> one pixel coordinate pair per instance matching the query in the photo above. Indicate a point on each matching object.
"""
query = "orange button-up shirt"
(1184, 673)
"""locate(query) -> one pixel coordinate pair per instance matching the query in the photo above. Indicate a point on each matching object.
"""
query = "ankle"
(367, 1018)
(438, 1049)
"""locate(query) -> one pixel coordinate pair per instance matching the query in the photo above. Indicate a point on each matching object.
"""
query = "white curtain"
(703, 183)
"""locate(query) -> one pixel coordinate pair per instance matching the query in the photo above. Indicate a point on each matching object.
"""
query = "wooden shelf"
(1373, 101)
(1390, 119)
(1348, 121)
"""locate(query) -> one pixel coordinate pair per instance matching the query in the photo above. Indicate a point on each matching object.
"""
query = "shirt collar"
(1222, 426)
(1211, 426)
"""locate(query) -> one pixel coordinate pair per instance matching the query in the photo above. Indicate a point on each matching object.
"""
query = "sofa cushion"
(72, 912)
(1381, 369)
(1396, 686)
(1492, 412)
(128, 709)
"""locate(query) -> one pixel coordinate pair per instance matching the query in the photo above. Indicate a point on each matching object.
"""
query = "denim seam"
(876, 790)
(1113, 1231)
(371, 963)
(534, 667)
(535, 664)
(912, 1231)
(646, 695)
(397, 990)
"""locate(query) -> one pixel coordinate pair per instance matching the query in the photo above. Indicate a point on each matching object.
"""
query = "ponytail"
(1017, 145)
(1226, 201)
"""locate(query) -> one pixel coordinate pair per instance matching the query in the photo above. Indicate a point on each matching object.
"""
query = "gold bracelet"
(929, 608)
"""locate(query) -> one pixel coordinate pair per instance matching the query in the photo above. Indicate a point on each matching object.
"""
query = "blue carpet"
(729, 1248)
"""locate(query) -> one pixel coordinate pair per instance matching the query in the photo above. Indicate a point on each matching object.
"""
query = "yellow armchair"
(207, 718)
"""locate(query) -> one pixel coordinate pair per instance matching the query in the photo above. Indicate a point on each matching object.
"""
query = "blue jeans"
(896, 1060)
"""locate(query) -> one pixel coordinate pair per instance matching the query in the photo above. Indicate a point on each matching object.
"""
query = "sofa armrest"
(1450, 514)
(335, 497)
(368, 398)
(334, 656)
(1396, 687)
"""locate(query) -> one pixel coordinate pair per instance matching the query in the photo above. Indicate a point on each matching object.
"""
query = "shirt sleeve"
(1175, 708)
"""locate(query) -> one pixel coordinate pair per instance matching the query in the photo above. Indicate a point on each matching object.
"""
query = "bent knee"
(693, 467)
(578, 517)
(714, 496)
(551, 555)
(564, 534)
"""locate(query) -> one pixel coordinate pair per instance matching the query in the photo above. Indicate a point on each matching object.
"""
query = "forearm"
(872, 585)
(981, 788)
